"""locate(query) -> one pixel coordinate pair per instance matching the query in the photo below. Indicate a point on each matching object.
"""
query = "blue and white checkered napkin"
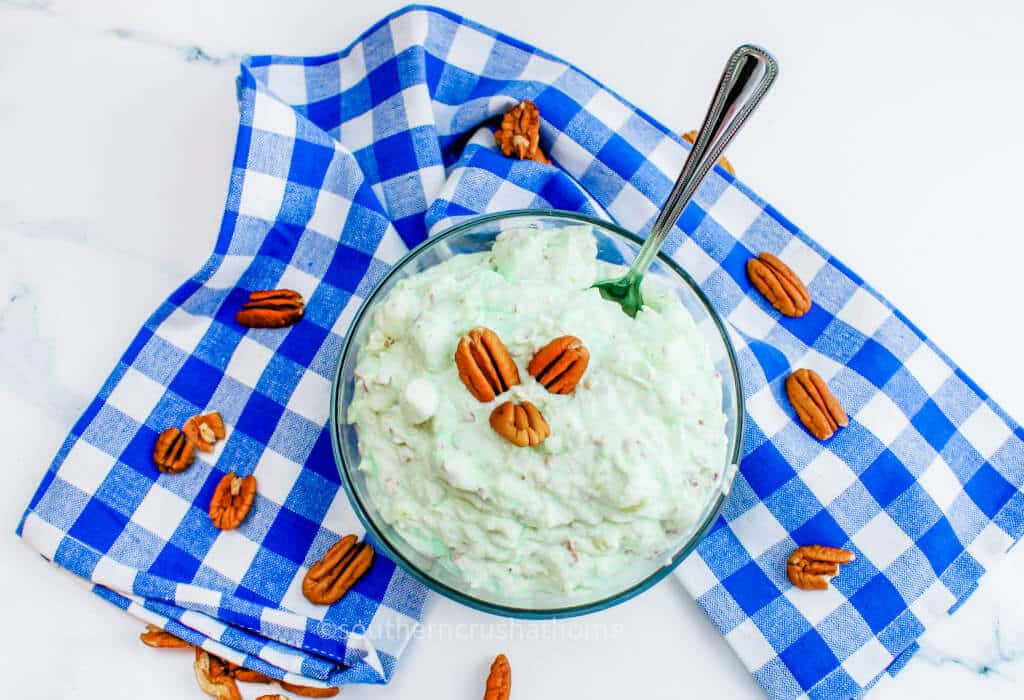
(342, 163)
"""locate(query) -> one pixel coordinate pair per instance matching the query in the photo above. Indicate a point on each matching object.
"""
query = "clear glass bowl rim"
(437, 586)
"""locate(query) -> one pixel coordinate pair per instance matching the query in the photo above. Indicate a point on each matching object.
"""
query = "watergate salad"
(631, 452)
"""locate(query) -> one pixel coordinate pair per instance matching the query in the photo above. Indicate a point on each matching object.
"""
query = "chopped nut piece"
(779, 285)
(572, 550)
(173, 453)
(309, 691)
(271, 308)
(161, 639)
(499, 681)
(329, 579)
(213, 677)
(519, 134)
(522, 425)
(816, 407)
(808, 566)
(560, 364)
(691, 136)
(485, 365)
(232, 500)
(204, 431)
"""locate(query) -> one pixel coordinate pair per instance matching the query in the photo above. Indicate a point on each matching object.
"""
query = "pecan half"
(521, 424)
(691, 136)
(245, 675)
(309, 691)
(271, 308)
(779, 285)
(818, 409)
(499, 681)
(808, 566)
(329, 579)
(173, 453)
(213, 677)
(519, 134)
(485, 365)
(560, 364)
(161, 639)
(232, 500)
(204, 431)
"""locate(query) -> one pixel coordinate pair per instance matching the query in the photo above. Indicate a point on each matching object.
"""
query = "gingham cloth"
(342, 163)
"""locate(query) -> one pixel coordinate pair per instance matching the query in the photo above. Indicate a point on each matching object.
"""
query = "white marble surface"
(893, 136)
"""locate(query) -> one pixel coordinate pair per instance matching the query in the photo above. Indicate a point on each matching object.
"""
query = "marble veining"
(40, 5)
(995, 659)
(27, 361)
(191, 53)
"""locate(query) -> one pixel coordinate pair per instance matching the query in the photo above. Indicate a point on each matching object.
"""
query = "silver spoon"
(745, 80)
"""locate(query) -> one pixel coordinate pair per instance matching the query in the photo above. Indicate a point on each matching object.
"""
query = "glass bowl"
(614, 245)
